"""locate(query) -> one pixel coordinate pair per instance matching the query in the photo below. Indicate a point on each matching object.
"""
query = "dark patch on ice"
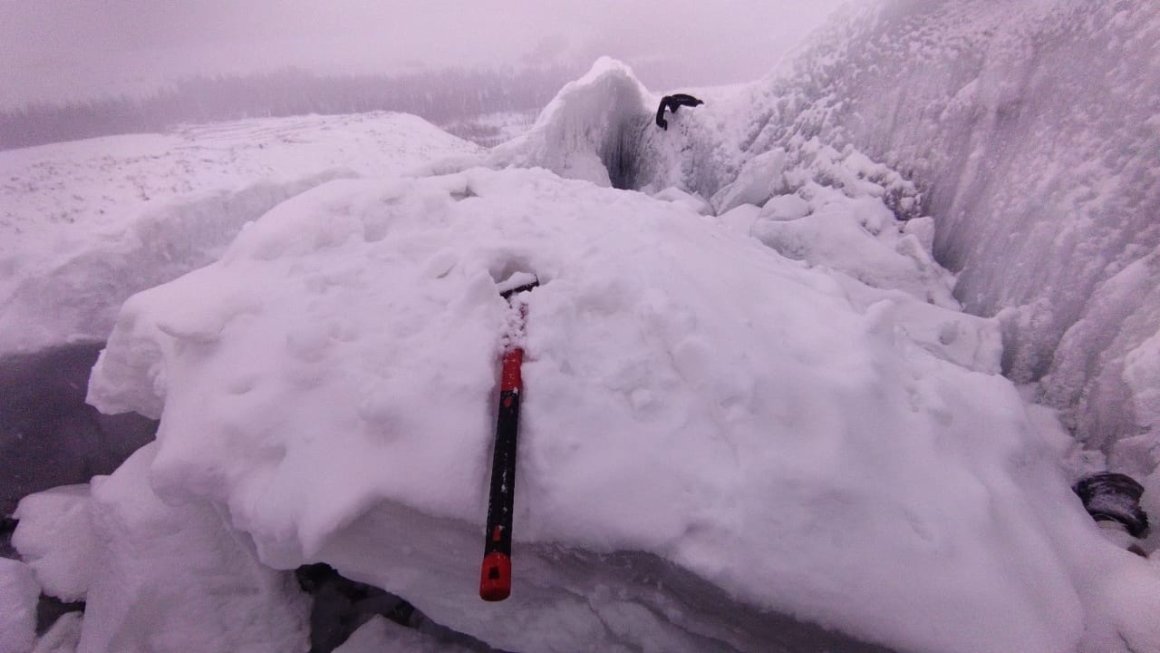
(460, 195)
(49, 609)
(621, 155)
(7, 528)
(342, 605)
(49, 436)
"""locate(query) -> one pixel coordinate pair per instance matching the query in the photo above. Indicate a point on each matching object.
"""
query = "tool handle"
(495, 581)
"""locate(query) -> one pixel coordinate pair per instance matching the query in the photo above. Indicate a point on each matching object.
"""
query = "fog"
(57, 50)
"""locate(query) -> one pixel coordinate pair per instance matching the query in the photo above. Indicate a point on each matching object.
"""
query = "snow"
(751, 398)
(86, 224)
(773, 427)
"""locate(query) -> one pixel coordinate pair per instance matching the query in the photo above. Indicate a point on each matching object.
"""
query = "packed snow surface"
(785, 432)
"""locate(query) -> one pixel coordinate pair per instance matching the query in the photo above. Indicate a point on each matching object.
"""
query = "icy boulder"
(710, 429)
(1032, 128)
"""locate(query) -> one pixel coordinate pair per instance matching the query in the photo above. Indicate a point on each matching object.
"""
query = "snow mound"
(790, 436)
(84, 225)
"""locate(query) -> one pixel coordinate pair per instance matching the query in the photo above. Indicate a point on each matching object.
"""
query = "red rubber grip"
(495, 581)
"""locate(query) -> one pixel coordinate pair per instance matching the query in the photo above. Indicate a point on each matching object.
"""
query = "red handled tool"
(495, 582)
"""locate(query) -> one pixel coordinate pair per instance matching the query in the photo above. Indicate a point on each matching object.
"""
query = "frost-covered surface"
(805, 442)
(1033, 127)
(83, 225)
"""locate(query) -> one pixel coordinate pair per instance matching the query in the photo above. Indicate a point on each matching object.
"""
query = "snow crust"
(84, 225)
(774, 428)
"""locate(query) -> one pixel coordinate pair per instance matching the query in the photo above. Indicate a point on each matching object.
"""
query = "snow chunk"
(859, 237)
(759, 179)
(330, 383)
(177, 578)
(55, 537)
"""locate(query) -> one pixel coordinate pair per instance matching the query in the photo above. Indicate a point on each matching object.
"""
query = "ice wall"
(1033, 126)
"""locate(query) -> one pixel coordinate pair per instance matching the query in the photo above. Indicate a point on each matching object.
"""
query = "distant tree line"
(440, 97)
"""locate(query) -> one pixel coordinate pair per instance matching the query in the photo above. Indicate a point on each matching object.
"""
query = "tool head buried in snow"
(495, 582)
(517, 283)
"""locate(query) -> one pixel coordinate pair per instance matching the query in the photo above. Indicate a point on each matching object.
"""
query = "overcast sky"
(60, 49)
